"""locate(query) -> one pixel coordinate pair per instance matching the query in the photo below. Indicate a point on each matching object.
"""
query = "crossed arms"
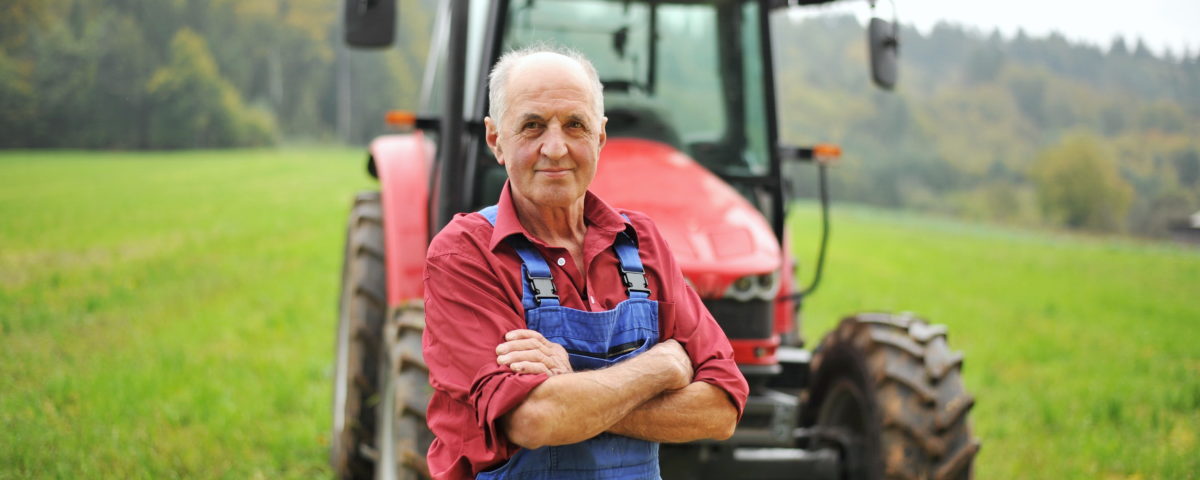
(665, 394)
(651, 397)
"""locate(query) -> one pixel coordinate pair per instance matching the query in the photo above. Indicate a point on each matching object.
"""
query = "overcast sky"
(1161, 23)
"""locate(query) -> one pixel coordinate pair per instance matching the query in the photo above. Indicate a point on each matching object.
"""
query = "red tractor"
(690, 97)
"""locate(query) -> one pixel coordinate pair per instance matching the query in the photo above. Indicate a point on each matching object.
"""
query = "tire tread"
(915, 382)
(363, 306)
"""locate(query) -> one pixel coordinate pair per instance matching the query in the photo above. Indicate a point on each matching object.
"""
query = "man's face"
(549, 137)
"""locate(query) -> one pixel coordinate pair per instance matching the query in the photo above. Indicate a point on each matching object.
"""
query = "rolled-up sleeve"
(709, 349)
(467, 314)
(688, 321)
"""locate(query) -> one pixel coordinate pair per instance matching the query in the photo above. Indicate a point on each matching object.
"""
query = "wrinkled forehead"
(546, 99)
(541, 82)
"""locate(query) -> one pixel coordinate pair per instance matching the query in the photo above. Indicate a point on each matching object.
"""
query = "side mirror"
(370, 23)
(885, 47)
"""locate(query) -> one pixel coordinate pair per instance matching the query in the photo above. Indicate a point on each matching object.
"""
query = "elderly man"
(561, 337)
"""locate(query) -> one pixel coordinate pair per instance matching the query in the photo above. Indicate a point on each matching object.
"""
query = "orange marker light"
(827, 153)
(402, 119)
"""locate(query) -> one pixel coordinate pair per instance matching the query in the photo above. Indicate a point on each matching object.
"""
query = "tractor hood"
(716, 235)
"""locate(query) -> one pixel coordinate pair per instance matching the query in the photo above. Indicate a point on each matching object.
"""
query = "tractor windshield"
(689, 75)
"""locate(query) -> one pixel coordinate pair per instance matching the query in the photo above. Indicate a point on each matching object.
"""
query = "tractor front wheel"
(891, 385)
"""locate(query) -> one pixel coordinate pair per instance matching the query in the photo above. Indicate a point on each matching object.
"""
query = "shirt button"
(561, 261)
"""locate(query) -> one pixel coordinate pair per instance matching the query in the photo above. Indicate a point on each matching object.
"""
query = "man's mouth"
(555, 172)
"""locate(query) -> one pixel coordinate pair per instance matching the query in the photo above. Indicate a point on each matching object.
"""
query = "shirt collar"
(596, 213)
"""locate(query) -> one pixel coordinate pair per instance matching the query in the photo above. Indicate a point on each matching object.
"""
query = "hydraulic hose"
(823, 189)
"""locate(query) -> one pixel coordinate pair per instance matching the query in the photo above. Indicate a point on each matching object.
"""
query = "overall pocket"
(583, 360)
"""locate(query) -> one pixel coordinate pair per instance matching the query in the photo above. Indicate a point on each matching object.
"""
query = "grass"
(168, 315)
(1083, 353)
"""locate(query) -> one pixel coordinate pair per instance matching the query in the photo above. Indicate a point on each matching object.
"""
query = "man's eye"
(575, 124)
(529, 125)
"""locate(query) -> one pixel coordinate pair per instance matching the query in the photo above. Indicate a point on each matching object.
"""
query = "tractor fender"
(402, 165)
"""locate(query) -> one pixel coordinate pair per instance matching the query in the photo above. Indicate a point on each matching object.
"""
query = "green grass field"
(168, 315)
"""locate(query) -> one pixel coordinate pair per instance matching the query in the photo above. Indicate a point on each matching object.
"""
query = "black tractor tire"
(361, 313)
(404, 436)
(894, 386)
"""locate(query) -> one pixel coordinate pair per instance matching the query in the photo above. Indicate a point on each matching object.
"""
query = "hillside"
(978, 118)
(1025, 130)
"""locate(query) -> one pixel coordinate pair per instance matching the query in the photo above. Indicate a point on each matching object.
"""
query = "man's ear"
(492, 135)
(603, 133)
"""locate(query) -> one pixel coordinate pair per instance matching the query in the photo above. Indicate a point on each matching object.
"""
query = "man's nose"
(554, 143)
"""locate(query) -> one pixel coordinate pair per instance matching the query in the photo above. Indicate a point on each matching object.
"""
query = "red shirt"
(473, 297)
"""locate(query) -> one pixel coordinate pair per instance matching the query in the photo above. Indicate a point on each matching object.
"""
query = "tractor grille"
(738, 319)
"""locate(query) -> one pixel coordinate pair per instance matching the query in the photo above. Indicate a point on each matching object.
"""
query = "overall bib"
(592, 340)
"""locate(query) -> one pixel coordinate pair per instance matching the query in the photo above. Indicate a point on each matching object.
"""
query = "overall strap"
(633, 274)
(536, 271)
(490, 213)
(540, 291)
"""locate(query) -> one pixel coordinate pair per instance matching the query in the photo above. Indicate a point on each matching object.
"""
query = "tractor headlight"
(754, 287)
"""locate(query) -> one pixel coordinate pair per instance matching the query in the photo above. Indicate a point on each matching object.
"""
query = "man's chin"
(556, 198)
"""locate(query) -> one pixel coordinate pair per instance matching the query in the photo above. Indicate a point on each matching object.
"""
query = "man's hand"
(527, 351)
(675, 359)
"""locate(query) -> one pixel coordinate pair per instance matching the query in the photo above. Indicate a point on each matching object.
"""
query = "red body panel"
(402, 163)
(715, 234)
(755, 352)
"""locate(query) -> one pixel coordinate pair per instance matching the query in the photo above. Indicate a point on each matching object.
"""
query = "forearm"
(574, 407)
(698, 411)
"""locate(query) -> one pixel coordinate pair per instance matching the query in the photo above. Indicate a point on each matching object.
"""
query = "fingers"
(524, 356)
(523, 333)
(525, 350)
(533, 361)
(522, 344)
(530, 367)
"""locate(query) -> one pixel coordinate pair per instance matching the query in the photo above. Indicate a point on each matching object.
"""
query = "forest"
(1029, 130)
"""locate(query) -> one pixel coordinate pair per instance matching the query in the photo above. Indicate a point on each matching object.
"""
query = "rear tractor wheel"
(891, 384)
(403, 435)
(361, 314)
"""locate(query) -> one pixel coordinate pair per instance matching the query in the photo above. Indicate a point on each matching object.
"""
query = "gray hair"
(498, 79)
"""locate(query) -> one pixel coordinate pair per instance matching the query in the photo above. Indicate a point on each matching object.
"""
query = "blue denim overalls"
(593, 340)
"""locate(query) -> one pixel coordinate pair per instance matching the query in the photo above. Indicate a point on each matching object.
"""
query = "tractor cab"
(687, 76)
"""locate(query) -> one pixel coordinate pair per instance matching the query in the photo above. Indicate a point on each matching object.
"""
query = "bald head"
(541, 60)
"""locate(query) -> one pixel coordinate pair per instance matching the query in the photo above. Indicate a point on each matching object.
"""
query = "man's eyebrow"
(532, 117)
(575, 117)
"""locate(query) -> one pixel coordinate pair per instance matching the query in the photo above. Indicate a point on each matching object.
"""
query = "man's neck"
(556, 226)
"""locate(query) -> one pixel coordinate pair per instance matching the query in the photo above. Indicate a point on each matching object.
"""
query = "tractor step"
(769, 463)
(718, 462)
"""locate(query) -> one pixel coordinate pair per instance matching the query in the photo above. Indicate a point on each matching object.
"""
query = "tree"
(1187, 168)
(193, 106)
(16, 102)
(1079, 185)
(1118, 47)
